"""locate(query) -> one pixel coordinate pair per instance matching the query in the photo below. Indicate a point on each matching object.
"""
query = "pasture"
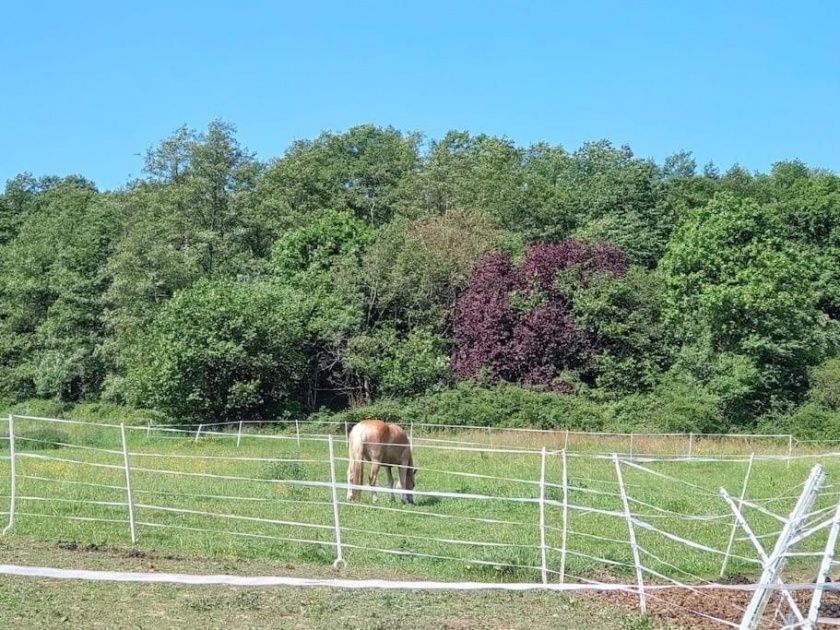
(267, 496)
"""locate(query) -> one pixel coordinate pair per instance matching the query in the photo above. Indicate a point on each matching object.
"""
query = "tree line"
(464, 278)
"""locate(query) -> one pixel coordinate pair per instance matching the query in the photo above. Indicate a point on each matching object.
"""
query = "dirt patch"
(709, 608)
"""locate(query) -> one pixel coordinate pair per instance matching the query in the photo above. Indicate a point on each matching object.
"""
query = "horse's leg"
(374, 472)
(355, 472)
(390, 482)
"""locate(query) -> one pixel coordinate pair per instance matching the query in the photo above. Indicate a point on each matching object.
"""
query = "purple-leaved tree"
(514, 323)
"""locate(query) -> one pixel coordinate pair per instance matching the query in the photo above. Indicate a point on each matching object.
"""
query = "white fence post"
(198, 433)
(631, 445)
(790, 449)
(148, 429)
(346, 433)
(690, 444)
(633, 545)
(543, 548)
(339, 554)
(735, 521)
(411, 437)
(128, 486)
(239, 434)
(565, 519)
(566, 441)
(775, 562)
(12, 475)
(825, 566)
(297, 431)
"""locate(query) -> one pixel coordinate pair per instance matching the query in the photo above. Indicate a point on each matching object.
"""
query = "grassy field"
(36, 603)
(255, 508)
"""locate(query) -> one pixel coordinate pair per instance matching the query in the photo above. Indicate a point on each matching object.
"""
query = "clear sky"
(87, 87)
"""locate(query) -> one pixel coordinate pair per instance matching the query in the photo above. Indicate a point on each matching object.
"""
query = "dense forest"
(464, 279)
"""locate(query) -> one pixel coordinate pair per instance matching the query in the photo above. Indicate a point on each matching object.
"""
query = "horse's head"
(410, 475)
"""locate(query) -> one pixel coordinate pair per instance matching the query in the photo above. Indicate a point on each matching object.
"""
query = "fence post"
(790, 449)
(128, 485)
(825, 566)
(690, 444)
(12, 475)
(633, 545)
(339, 554)
(775, 561)
(346, 433)
(565, 519)
(735, 522)
(631, 445)
(239, 434)
(566, 441)
(297, 431)
(198, 433)
(148, 429)
(543, 548)
(411, 437)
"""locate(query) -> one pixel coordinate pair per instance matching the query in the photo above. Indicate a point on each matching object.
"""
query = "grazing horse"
(382, 444)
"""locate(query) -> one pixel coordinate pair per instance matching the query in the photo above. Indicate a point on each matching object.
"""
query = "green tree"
(367, 171)
(223, 350)
(734, 279)
(186, 221)
(52, 278)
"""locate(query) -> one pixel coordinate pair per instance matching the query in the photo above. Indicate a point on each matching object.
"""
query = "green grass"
(37, 603)
(367, 526)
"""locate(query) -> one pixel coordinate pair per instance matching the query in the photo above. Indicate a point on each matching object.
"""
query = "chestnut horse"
(382, 444)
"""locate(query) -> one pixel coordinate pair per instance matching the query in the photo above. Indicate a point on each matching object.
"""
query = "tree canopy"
(375, 266)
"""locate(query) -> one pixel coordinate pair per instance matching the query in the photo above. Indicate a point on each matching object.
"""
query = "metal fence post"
(543, 548)
(633, 545)
(825, 566)
(775, 561)
(735, 522)
(12, 475)
(565, 518)
(128, 485)
(339, 554)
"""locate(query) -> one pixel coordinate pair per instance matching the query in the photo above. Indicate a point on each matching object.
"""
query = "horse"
(382, 444)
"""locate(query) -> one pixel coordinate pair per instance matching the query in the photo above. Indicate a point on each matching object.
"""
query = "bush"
(223, 350)
(501, 406)
(814, 422)
(41, 439)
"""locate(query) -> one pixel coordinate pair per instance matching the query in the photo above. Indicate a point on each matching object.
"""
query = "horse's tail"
(355, 453)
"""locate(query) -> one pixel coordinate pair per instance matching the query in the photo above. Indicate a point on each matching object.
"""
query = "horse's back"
(374, 439)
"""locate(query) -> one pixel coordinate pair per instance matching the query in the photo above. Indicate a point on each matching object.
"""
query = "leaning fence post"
(735, 522)
(128, 485)
(565, 518)
(543, 549)
(239, 434)
(339, 554)
(198, 433)
(633, 545)
(825, 566)
(12, 475)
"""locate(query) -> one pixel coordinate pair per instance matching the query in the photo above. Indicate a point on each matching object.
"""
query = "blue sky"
(87, 87)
